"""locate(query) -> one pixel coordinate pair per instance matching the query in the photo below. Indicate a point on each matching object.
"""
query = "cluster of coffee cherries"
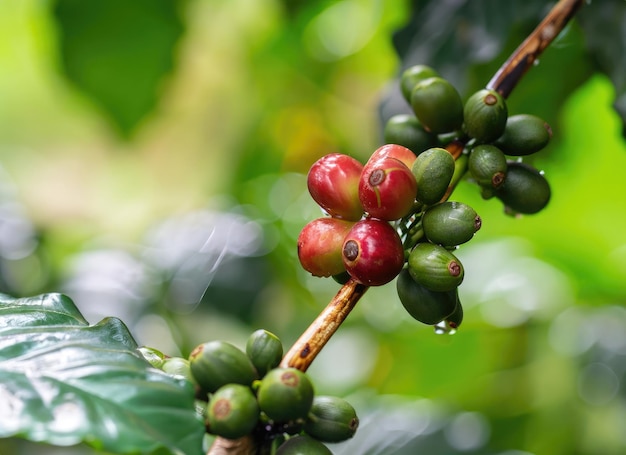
(247, 393)
(494, 142)
(391, 218)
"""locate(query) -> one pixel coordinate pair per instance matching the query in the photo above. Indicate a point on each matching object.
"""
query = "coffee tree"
(390, 220)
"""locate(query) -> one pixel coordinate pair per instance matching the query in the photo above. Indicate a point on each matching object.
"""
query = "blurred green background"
(153, 167)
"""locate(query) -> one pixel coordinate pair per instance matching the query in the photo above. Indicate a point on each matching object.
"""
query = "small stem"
(317, 335)
(241, 446)
(311, 342)
(510, 73)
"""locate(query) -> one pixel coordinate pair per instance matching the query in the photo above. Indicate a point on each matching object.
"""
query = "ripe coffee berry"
(333, 182)
(372, 252)
(396, 151)
(387, 189)
(319, 246)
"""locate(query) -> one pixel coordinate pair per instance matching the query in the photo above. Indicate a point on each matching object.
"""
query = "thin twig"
(527, 53)
(313, 340)
(241, 446)
(504, 81)
(323, 327)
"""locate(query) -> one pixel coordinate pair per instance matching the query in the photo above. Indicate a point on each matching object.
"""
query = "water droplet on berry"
(444, 328)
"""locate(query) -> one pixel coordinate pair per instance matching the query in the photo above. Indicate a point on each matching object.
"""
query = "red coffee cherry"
(396, 151)
(319, 246)
(372, 252)
(333, 183)
(387, 189)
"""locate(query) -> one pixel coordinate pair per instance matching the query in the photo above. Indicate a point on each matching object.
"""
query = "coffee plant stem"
(311, 342)
(315, 337)
(528, 52)
(241, 446)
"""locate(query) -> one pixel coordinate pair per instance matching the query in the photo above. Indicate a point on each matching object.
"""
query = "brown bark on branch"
(323, 327)
(523, 58)
(503, 81)
(241, 446)
(313, 340)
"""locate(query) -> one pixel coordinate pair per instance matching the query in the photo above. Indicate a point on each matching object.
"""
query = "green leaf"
(64, 382)
(117, 52)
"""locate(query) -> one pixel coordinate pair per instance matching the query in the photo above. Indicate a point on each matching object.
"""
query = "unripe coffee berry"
(331, 419)
(485, 115)
(524, 134)
(217, 363)
(437, 105)
(232, 411)
(435, 267)
(285, 394)
(450, 223)
(487, 166)
(265, 350)
(412, 75)
(423, 304)
(303, 445)
(406, 130)
(433, 170)
(525, 189)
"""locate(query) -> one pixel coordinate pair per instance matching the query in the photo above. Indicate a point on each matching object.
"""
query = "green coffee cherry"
(437, 105)
(303, 445)
(232, 412)
(285, 394)
(525, 189)
(450, 223)
(331, 419)
(179, 367)
(264, 350)
(411, 76)
(485, 115)
(423, 304)
(433, 170)
(524, 134)
(406, 130)
(435, 267)
(487, 165)
(217, 363)
(455, 319)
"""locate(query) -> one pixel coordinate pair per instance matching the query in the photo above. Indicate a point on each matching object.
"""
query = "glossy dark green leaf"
(64, 382)
(118, 52)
